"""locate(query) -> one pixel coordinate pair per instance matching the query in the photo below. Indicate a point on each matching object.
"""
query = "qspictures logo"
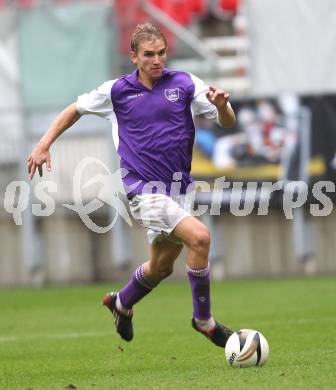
(112, 193)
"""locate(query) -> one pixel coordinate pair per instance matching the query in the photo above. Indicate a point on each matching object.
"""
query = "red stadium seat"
(224, 9)
(229, 5)
(178, 10)
(25, 3)
(198, 7)
(181, 12)
(159, 3)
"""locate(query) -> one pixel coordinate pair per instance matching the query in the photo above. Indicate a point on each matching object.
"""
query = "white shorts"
(160, 214)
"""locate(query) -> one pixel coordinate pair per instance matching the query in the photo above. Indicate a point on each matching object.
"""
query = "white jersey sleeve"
(97, 102)
(200, 105)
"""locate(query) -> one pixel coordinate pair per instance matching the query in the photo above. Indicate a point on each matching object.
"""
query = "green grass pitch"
(62, 338)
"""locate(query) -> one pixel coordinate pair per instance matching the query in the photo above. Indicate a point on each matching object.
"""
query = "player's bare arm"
(40, 154)
(220, 99)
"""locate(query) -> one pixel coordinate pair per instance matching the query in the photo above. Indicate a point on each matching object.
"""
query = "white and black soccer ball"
(246, 348)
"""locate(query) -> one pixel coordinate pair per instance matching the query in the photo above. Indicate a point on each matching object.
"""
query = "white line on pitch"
(61, 336)
(298, 321)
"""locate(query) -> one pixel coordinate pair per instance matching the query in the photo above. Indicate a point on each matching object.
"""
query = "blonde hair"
(146, 32)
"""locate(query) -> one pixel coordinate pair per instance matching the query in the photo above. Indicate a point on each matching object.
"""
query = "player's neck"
(145, 80)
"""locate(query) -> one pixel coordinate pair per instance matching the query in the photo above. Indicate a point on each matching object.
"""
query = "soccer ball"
(246, 348)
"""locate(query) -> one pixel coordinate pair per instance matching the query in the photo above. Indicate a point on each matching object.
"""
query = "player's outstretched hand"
(218, 97)
(37, 158)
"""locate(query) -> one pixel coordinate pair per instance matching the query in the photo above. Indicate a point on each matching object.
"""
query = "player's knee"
(160, 272)
(201, 240)
(164, 272)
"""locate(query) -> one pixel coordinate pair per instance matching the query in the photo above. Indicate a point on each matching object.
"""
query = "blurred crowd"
(266, 130)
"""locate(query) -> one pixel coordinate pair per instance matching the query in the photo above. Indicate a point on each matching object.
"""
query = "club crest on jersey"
(172, 94)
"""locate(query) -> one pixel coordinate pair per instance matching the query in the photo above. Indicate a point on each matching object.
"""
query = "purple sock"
(200, 288)
(136, 288)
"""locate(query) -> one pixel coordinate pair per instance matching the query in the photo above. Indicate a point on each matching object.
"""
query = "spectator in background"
(205, 138)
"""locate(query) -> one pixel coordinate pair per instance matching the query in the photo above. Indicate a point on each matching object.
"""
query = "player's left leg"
(197, 238)
(144, 279)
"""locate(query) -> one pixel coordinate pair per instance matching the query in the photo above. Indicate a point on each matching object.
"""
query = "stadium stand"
(229, 5)
(199, 7)
(218, 23)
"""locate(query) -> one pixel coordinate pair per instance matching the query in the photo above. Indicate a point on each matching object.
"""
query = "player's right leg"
(144, 279)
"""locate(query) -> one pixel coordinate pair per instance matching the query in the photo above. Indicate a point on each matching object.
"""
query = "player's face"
(150, 59)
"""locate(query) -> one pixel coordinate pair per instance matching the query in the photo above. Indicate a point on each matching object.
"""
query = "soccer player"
(151, 111)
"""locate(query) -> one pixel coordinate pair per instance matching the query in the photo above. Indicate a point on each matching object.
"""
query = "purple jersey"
(153, 129)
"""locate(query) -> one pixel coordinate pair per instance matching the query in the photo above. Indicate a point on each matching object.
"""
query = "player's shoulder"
(107, 85)
(186, 77)
(178, 74)
(105, 88)
(119, 85)
(182, 78)
(124, 82)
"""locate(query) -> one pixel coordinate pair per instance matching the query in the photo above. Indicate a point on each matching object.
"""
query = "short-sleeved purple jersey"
(153, 129)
